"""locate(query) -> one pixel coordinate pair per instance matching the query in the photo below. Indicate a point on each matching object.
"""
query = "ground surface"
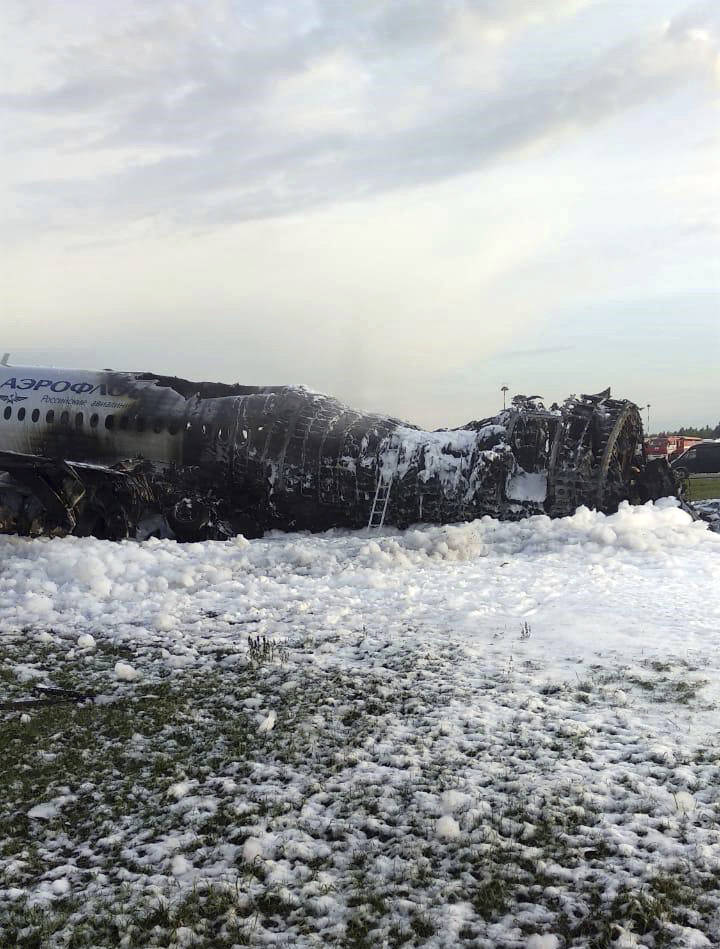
(701, 488)
(491, 735)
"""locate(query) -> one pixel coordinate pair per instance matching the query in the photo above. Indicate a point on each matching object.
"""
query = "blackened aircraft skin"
(119, 454)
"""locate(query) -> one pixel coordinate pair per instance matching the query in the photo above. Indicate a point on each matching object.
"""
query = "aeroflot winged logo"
(59, 385)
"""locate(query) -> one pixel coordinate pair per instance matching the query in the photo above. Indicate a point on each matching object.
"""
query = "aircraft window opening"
(64, 418)
(158, 426)
(50, 417)
(8, 412)
(79, 419)
(21, 415)
(188, 426)
(36, 415)
(207, 431)
(140, 423)
(221, 434)
(124, 422)
(109, 422)
(94, 419)
(174, 428)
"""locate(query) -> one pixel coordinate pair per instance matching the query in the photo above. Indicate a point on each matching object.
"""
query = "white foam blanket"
(569, 666)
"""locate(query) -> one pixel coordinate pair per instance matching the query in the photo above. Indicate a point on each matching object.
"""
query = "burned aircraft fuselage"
(128, 454)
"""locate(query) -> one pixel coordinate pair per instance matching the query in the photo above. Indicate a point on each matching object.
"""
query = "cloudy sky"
(406, 203)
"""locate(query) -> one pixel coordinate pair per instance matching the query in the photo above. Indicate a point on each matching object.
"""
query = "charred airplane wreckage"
(119, 455)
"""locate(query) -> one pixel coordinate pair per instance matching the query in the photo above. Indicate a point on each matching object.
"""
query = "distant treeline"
(706, 432)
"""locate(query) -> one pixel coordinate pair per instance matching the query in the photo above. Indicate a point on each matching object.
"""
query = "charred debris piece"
(163, 456)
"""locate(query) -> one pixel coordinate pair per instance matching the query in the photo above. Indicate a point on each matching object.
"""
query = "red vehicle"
(668, 446)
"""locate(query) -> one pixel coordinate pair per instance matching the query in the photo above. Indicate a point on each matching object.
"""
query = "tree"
(695, 431)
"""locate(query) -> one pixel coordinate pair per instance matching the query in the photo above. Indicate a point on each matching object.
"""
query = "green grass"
(374, 852)
(703, 488)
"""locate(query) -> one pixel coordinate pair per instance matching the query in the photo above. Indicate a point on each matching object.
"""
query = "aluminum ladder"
(386, 476)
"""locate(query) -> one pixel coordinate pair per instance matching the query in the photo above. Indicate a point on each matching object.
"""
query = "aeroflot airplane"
(122, 454)
(115, 453)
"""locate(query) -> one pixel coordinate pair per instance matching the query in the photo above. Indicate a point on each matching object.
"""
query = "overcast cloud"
(384, 199)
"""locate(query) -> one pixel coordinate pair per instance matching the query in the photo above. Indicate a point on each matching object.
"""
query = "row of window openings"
(125, 422)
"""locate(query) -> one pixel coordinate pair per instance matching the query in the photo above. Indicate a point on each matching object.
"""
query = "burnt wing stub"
(199, 460)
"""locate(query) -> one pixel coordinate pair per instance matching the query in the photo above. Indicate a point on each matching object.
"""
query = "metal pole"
(503, 389)
(648, 418)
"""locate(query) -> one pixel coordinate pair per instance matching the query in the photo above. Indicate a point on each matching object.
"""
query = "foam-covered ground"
(489, 734)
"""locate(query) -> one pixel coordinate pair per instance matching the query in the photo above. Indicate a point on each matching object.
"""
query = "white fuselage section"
(40, 407)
